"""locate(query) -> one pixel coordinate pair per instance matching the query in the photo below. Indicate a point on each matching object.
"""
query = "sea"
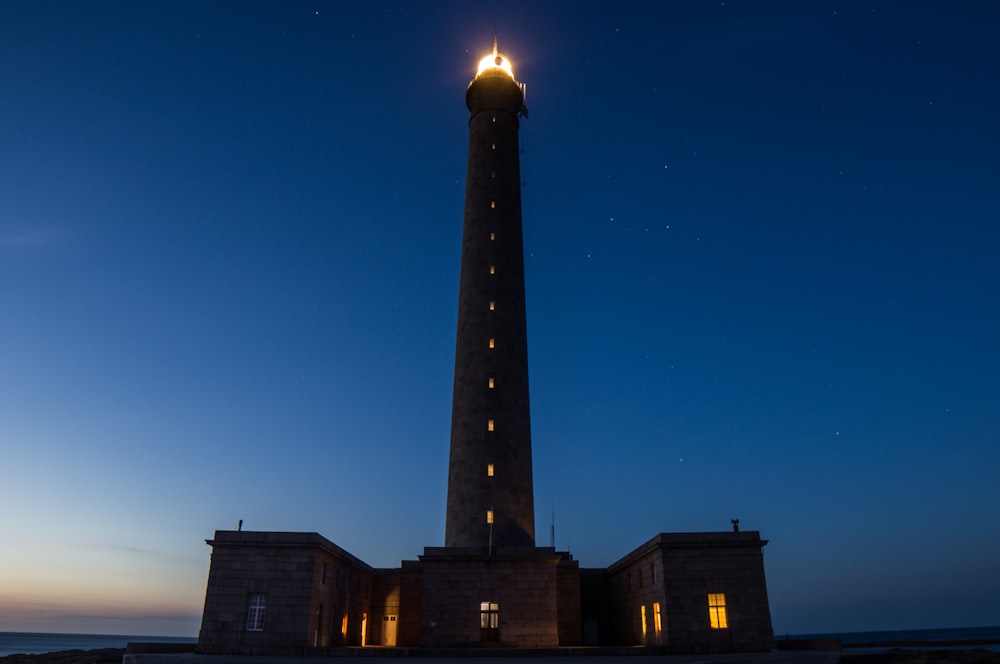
(35, 643)
(928, 639)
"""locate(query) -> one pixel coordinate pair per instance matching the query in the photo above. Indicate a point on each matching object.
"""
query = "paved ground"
(776, 657)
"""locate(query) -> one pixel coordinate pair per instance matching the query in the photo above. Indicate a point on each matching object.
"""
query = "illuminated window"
(493, 305)
(657, 620)
(255, 613)
(489, 516)
(494, 146)
(343, 626)
(717, 610)
(493, 236)
(491, 382)
(493, 205)
(494, 119)
(642, 619)
(492, 343)
(489, 615)
(489, 470)
(493, 269)
(489, 425)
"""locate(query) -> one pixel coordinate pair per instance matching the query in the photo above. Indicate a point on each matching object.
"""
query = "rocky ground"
(100, 656)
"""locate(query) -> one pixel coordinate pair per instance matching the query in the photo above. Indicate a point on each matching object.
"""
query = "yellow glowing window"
(493, 147)
(494, 119)
(642, 619)
(343, 626)
(493, 269)
(493, 236)
(657, 619)
(492, 343)
(489, 470)
(491, 383)
(493, 305)
(489, 516)
(493, 205)
(489, 425)
(717, 610)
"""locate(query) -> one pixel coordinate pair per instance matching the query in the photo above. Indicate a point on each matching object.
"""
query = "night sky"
(761, 244)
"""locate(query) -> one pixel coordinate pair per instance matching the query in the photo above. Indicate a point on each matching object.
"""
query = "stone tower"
(490, 496)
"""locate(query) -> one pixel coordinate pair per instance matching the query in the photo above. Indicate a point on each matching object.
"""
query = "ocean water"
(857, 640)
(34, 643)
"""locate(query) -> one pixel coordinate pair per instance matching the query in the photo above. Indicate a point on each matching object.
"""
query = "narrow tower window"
(493, 269)
(489, 425)
(491, 382)
(493, 305)
(493, 236)
(489, 516)
(493, 147)
(489, 470)
(492, 343)
(494, 119)
(493, 205)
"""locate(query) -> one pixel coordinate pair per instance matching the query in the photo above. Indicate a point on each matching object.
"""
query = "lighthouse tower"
(490, 498)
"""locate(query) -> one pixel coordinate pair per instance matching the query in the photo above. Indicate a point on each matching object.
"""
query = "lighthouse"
(490, 493)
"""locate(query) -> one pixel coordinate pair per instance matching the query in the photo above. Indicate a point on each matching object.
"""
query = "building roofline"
(282, 539)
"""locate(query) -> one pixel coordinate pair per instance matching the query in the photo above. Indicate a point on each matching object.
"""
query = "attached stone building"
(278, 593)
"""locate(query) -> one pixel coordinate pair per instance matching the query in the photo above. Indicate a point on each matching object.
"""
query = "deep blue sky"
(761, 251)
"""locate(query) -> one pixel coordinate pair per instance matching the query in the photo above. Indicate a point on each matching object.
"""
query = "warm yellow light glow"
(489, 470)
(489, 516)
(493, 305)
(495, 62)
(493, 205)
(493, 236)
(642, 619)
(657, 620)
(493, 269)
(489, 425)
(491, 383)
(343, 626)
(717, 610)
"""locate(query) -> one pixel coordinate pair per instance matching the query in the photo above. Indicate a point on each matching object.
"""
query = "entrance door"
(489, 621)
(389, 630)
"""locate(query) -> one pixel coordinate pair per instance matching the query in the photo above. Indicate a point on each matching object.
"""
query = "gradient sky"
(761, 245)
